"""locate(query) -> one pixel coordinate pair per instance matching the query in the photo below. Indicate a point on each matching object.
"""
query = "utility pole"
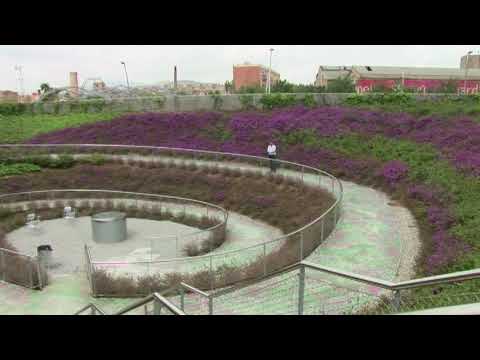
(175, 78)
(18, 69)
(126, 75)
(466, 74)
(270, 72)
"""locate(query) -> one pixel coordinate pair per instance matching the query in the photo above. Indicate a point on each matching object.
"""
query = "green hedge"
(17, 169)
(75, 106)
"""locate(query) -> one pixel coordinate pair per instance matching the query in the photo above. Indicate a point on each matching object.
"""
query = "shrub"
(309, 100)
(192, 249)
(18, 169)
(270, 101)
(94, 159)
(341, 85)
(247, 102)
(217, 101)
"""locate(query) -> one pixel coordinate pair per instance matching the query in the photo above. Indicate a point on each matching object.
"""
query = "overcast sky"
(204, 63)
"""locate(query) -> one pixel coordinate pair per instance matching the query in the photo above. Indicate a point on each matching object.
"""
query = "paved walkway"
(375, 237)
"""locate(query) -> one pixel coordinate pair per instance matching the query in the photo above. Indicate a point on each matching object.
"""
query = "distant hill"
(161, 84)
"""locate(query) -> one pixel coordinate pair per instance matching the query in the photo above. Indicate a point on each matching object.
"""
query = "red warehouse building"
(465, 79)
(367, 78)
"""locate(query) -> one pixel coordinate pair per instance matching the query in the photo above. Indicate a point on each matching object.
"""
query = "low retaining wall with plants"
(234, 102)
(211, 225)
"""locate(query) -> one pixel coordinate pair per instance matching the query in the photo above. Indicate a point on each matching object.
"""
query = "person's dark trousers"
(273, 164)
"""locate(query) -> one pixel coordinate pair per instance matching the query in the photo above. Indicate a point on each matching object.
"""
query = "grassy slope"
(17, 128)
(443, 109)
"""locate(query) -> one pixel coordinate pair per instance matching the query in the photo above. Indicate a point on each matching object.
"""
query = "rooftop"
(334, 72)
(247, 64)
(415, 72)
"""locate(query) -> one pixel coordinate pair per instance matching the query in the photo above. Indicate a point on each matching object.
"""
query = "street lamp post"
(466, 73)
(270, 72)
(126, 75)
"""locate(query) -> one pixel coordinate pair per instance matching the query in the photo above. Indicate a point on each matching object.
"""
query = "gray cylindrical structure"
(44, 253)
(109, 227)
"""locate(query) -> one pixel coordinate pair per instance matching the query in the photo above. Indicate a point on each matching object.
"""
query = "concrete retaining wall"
(186, 103)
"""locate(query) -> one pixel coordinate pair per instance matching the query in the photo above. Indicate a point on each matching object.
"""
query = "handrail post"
(396, 300)
(92, 279)
(3, 267)
(301, 245)
(182, 299)
(30, 273)
(264, 259)
(211, 273)
(301, 289)
(90, 271)
(39, 274)
(157, 307)
(210, 304)
(322, 230)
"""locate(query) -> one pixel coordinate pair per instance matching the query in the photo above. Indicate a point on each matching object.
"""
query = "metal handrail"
(455, 277)
(168, 304)
(224, 211)
(34, 263)
(92, 306)
(333, 209)
(388, 285)
(134, 305)
(427, 281)
(137, 147)
(170, 197)
(194, 290)
(179, 150)
(152, 297)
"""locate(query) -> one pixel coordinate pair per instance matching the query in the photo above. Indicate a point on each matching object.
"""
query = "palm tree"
(44, 88)
(229, 87)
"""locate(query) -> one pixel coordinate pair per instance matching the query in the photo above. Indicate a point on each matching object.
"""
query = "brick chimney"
(73, 84)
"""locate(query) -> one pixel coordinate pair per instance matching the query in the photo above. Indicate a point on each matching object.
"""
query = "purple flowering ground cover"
(444, 203)
(458, 140)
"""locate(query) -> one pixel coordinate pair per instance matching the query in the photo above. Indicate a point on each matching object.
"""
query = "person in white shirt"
(272, 154)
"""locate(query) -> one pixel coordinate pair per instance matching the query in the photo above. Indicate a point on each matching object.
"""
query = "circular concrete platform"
(68, 237)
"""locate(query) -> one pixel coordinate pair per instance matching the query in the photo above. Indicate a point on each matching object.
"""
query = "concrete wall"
(186, 103)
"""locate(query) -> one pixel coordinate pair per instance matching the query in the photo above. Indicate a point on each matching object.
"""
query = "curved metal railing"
(106, 195)
(93, 310)
(302, 240)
